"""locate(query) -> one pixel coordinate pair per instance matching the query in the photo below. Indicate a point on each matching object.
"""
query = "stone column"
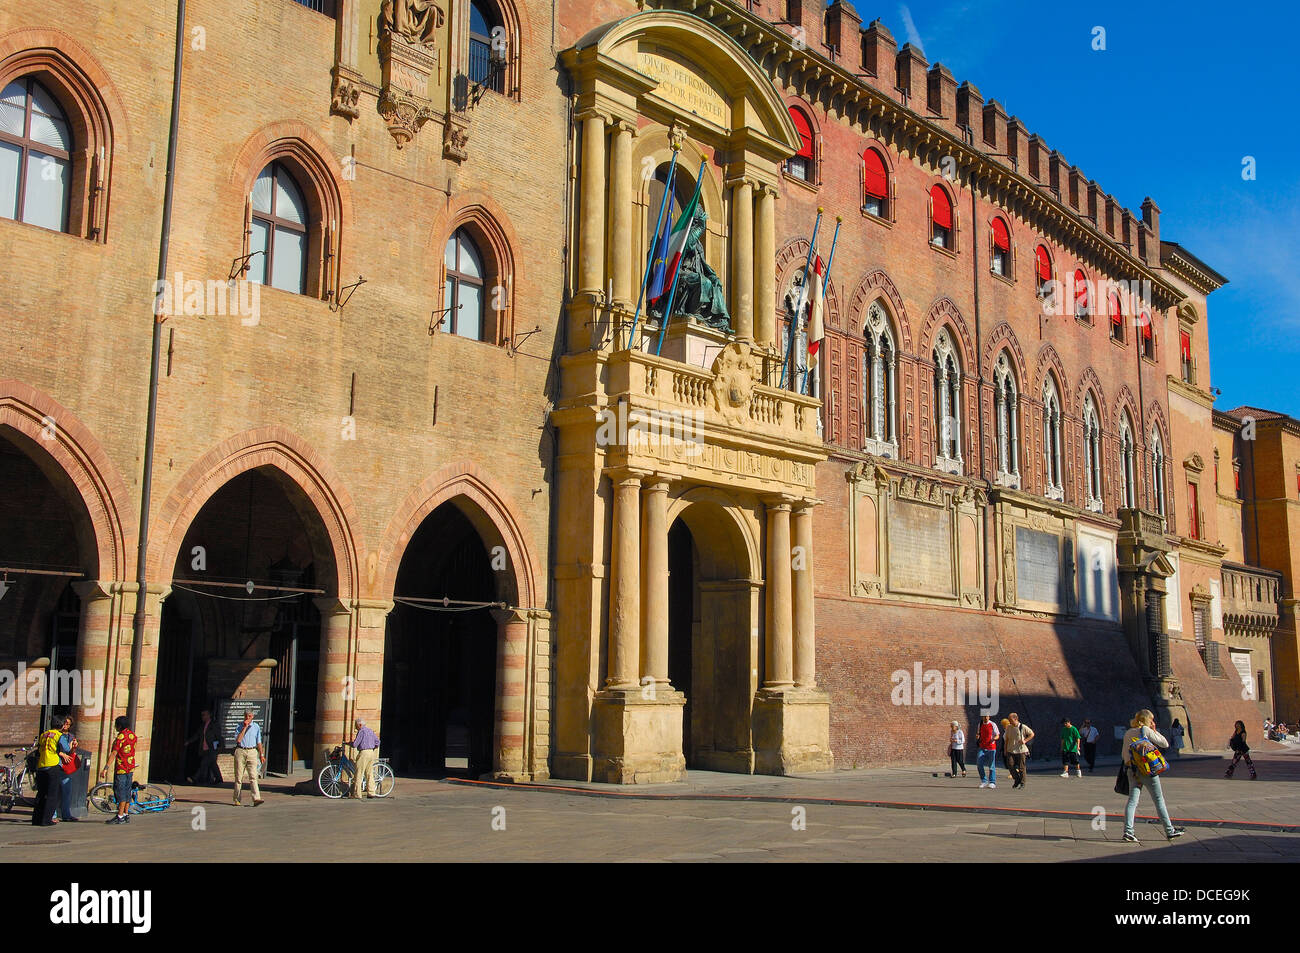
(654, 607)
(891, 401)
(742, 257)
(94, 657)
(625, 580)
(591, 227)
(780, 669)
(877, 391)
(1013, 429)
(336, 688)
(764, 266)
(153, 601)
(620, 214)
(509, 760)
(804, 620)
(945, 417)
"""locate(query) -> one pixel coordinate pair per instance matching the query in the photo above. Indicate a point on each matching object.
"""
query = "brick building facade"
(403, 277)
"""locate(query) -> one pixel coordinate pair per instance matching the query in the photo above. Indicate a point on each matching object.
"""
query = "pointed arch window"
(1092, 454)
(1000, 260)
(947, 404)
(940, 218)
(875, 184)
(463, 293)
(879, 370)
(1006, 415)
(36, 146)
(802, 164)
(1052, 440)
(1157, 473)
(279, 231)
(485, 68)
(1127, 471)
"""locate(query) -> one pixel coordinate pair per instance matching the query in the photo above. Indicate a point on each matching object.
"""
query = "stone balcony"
(1250, 599)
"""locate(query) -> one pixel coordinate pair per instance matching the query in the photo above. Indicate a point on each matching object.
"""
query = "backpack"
(1146, 757)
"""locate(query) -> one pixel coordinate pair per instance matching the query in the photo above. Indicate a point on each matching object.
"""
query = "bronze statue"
(415, 21)
(699, 289)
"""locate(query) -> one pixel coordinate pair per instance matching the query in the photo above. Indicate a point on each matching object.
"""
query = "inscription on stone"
(1038, 566)
(682, 86)
(920, 549)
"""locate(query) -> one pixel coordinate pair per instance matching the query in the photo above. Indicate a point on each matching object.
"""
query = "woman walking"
(1143, 727)
(1240, 750)
(957, 749)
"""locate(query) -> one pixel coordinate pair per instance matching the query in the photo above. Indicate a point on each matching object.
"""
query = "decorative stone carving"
(406, 65)
(734, 372)
(1009, 576)
(455, 138)
(415, 21)
(346, 93)
(677, 135)
(873, 589)
(1194, 462)
(404, 114)
(922, 491)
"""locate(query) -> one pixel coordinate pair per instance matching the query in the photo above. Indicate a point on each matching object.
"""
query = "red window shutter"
(1080, 291)
(1044, 264)
(805, 132)
(1185, 344)
(1001, 238)
(875, 178)
(1146, 327)
(1116, 313)
(942, 208)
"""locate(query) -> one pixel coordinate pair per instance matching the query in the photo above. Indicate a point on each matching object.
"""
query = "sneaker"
(1131, 838)
(115, 819)
(984, 784)
(1176, 832)
(1065, 774)
(257, 802)
(1080, 774)
(992, 785)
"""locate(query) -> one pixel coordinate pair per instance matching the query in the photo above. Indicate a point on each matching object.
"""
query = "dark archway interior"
(440, 663)
(682, 613)
(259, 527)
(45, 534)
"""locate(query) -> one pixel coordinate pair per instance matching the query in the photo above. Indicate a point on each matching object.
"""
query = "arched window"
(1001, 255)
(279, 231)
(1148, 336)
(464, 292)
(1006, 416)
(875, 184)
(940, 218)
(947, 403)
(1157, 472)
(1116, 319)
(1042, 268)
(1092, 454)
(879, 382)
(1082, 297)
(1052, 439)
(485, 68)
(35, 156)
(1127, 471)
(802, 165)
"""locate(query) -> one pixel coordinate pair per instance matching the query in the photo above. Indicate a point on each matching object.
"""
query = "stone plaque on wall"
(1038, 566)
(920, 549)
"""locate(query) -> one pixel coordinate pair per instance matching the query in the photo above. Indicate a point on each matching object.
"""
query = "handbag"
(1121, 780)
(69, 766)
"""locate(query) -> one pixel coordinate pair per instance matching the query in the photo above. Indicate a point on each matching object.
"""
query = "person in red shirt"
(988, 753)
(123, 752)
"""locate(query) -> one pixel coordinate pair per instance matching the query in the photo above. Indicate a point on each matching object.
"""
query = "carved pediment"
(920, 490)
(1194, 462)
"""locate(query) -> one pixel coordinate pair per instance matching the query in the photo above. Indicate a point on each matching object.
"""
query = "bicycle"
(13, 779)
(145, 798)
(332, 784)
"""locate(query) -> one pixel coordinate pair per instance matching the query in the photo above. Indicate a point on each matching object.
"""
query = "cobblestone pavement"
(438, 821)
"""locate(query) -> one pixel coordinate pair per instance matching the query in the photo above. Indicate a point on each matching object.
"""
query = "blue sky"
(1181, 94)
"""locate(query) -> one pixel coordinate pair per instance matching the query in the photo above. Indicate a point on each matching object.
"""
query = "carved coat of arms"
(734, 372)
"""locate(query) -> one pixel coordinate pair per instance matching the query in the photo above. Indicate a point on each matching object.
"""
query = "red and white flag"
(816, 327)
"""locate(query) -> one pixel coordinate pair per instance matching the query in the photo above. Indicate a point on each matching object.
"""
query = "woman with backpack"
(1141, 756)
(1239, 750)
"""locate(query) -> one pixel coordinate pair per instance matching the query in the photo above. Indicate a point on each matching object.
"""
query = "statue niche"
(699, 289)
(415, 21)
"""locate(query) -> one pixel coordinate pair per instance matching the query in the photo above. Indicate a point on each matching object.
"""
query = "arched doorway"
(47, 542)
(440, 649)
(713, 634)
(219, 640)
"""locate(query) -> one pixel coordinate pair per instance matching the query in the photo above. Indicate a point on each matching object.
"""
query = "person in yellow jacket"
(49, 773)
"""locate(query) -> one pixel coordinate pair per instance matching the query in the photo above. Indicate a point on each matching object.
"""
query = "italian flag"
(677, 239)
(816, 328)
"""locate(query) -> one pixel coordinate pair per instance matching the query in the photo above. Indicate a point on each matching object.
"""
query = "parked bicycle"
(336, 777)
(13, 779)
(145, 798)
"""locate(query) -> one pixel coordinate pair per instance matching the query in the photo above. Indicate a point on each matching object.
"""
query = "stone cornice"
(1190, 391)
(761, 38)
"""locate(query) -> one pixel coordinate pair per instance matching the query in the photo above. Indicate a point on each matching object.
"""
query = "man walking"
(1069, 748)
(988, 753)
(248, 758)
(123, 753)
(366, 744)
(208, 738)
(1090, 735)
(1016, 744)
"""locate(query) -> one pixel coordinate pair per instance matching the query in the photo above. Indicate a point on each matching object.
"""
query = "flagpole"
(803, 295)
(677, 272)
(826, 280)
(654, 246)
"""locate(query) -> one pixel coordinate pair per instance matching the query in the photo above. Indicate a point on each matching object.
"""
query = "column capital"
(332, 605)
(626, 474)
(91, 590)
(593, 113)
(656, 481)
(780, 501)
(806, 505)
(508, 616)
(619, 124)
(737, 178)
